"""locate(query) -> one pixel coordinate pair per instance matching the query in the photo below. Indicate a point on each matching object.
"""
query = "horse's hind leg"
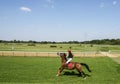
(81, 73)
(79, 69)
(84, 75)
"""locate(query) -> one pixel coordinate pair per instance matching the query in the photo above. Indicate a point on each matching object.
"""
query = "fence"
(48, 54)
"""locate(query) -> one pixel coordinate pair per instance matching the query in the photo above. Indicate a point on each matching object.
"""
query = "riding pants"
(69, 59)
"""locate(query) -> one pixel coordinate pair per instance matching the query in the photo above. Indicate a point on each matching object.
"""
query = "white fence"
(48, 54)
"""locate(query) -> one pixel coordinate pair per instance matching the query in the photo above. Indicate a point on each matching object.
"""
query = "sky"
(59, 20)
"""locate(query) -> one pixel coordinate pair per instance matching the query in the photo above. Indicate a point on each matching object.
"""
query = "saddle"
(69, 64)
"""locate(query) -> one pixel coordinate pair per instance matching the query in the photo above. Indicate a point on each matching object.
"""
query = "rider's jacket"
(70, 55)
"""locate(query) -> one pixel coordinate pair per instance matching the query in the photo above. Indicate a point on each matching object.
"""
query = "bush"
(31, 44)
(53, 46)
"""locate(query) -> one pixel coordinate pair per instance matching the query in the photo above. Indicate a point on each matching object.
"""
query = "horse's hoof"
(84, 78)
(57, 75)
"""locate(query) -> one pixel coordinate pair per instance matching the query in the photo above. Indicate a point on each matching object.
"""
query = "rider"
(70, 56)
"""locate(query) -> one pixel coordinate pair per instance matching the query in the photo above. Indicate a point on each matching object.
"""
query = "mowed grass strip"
(43, 70)
(36, 47)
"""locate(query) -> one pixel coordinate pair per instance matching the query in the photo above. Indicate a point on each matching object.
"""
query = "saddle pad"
(70, 64)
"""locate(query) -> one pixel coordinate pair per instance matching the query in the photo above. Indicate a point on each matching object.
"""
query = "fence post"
(36, 54)
(2, 53)
(13, 53)
(24, 54)
(48, 54)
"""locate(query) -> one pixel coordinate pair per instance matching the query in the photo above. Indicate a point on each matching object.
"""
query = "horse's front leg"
(60, 70)
(58, 73)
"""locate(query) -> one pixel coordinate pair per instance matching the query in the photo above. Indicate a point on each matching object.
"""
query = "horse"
(71, 66)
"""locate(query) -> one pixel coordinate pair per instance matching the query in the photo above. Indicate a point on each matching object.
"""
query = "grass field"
(43, 70)
(59, 47)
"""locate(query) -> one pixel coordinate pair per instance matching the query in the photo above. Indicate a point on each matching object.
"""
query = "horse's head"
(61, 54)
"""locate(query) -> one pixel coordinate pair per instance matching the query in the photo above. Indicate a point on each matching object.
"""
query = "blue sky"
(59, 20)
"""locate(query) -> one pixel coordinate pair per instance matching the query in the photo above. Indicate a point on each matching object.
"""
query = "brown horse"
(71, 65)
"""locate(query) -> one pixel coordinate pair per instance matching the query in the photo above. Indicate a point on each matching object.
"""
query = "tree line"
(102, 41)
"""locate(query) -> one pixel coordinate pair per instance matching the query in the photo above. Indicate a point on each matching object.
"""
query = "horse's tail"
(83, 64)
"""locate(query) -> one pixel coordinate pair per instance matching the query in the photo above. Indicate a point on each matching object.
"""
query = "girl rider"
(70, 56)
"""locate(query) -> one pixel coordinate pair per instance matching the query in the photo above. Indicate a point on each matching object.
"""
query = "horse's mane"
(65, 56)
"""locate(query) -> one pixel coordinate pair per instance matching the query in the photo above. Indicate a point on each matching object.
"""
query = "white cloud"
(25, 9)
(102, 5)
(114, 2)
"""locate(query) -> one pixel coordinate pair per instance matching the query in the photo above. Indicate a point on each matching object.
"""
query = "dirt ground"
(117, 59)
(48, 54)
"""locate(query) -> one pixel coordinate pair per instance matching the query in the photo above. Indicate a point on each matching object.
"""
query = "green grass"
(60, 47)
(43, 70)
